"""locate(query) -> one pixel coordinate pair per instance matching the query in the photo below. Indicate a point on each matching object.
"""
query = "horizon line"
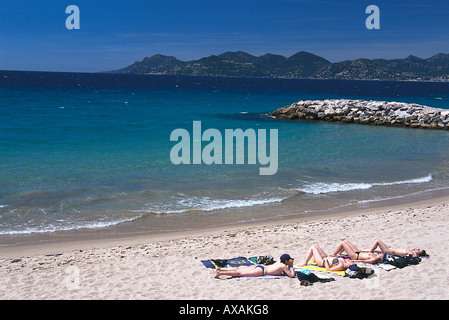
(168, 55)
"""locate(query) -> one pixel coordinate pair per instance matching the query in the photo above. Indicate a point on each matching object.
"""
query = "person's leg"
(320, 251)
(228, 268)
(382, 246)
(353, 247)
(344, 246)
(308, 256)
(240, 272)
(339, 249)
(318, 254)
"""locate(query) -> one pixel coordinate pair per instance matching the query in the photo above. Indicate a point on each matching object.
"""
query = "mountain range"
(300, 65)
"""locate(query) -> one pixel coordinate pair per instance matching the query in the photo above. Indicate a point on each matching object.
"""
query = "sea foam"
(323, 187)
(53, 227)
(208, 204)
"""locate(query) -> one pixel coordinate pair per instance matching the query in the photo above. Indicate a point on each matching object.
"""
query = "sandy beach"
(170, 267)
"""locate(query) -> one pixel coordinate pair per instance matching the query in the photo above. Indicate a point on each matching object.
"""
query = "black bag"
(354, 272)
(310, 277)
(413, 260)
(266, 260)
(398, 261)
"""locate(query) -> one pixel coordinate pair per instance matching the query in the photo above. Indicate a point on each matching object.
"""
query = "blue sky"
(114, 34)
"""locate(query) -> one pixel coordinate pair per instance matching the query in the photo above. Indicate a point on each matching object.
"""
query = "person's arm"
(374, 246)
(289, 271)
(382, 246)
(337, 267)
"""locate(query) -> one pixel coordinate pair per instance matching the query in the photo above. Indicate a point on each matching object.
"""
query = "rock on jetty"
(384, 113)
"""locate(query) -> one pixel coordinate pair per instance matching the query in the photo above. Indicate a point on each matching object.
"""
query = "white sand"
(157, 268)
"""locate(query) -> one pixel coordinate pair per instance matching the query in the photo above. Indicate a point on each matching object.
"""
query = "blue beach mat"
(224, 263)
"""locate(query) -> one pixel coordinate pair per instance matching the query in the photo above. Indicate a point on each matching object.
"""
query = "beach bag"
(307, 278)
(413, 260)
(397, 261)
(354, 272)
(266, 260)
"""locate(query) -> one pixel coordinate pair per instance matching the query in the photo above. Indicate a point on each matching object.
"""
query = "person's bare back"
(277, 269)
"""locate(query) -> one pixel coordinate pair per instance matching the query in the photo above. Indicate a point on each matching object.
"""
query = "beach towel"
(224, 263)
(239, 262)
(313, 266)
(260, 277)
(384, 266)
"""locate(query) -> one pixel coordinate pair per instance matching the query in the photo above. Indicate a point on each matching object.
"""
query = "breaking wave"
(323, 187)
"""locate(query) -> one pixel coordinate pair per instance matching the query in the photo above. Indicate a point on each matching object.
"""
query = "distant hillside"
(300, 65)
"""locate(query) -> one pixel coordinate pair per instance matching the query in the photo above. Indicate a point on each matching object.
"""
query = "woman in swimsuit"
(357, 255)
(396, 251)
(330, 262)
(373, 255)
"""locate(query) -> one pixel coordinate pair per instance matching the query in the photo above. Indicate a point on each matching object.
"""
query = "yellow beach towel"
(313, 266)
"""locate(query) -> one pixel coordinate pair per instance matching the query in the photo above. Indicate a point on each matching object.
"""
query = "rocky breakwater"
(384, 113)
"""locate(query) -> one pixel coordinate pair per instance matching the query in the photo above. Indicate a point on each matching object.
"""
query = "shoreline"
(170, 268)
(105, 240)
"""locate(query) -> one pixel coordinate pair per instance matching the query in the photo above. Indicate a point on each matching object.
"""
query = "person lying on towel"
(416, 252)
(285, 267)
(356, 254)
(330, 262)
(375, 256)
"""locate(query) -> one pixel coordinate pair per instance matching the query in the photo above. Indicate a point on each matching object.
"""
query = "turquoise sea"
(86, 155)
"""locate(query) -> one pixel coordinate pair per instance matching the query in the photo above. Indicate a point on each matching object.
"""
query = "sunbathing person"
(276, 269)
(356, 254)
(383, 249)
(396, 251)
(330, 262)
